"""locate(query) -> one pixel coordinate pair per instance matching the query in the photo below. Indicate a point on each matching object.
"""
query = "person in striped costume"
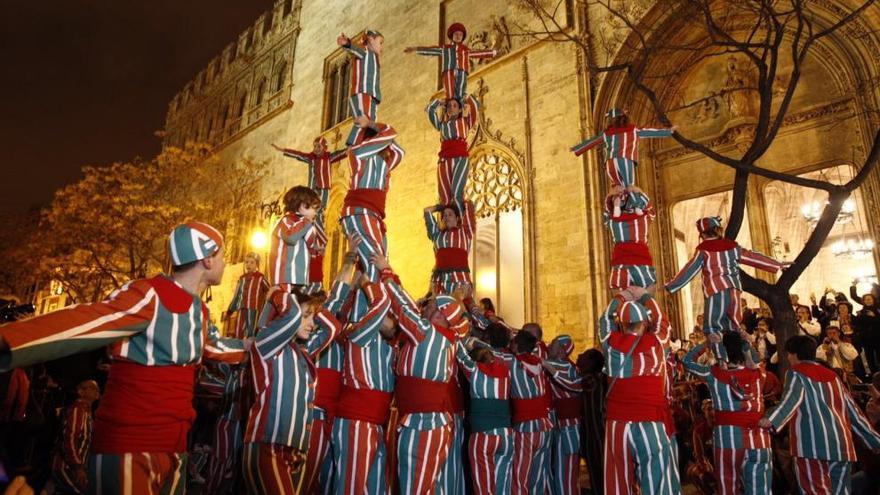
(455, 60)
(634, 332)
(530, 407)
(319, 160)
(628, 215)
(424, 369)
(359, 451)
(825, 419)
(249, 297)
(283, 375)
(565, 390)
(69, 472)
(223, 469)
(719, 259)
(621, 140)
(295, 242)
(742, 449)
(365, 85)
(490, 446)
(363, 211)
(451, 246)
(157, 330)
(452, 166)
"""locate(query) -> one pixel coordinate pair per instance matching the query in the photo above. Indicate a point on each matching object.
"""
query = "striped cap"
(193, 241)
(567, 343)
(708, 224)
(454, 313)
(632, 312)
(615, 112)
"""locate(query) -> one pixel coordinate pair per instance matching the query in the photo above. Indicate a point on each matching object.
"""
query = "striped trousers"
(721, 311)
(316, 475)
(421, 455)
(446, 282)
(455, 84)
(638, 452)
(745, 471)
(817, 476)
(452, 474)
(531, 462)
(269, 468)
(359, 458)
(360, 104)
(223, 469)
(566, 460)
(621, 171)
(491, 454)
(452, 175)
(145, 473)
(245, 323)
(370, 229)
(623, 276)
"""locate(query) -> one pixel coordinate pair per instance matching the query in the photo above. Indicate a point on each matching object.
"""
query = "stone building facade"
(542, 251)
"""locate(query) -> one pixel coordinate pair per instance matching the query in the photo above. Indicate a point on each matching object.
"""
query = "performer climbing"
(459, 116)
(455, 60)
(628, 214)
(452, 243)
(365, 88)
(621, 141)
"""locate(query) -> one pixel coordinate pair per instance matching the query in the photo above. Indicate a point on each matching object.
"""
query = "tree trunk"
(784, 322)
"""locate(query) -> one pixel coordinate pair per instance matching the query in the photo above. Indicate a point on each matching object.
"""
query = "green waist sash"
(488, 414)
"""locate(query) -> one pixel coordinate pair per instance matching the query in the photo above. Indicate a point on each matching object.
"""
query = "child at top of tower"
(621, 140)
(455, 59)
(365, 84)
(719, 259)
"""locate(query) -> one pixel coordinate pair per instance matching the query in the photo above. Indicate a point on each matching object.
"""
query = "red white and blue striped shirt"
(627, 355)
(319, 165)
(457, 128)
(459, 237)
(719, 260)
(369, 359)
(250, 292)
(364, 71)
(455, 56)
(620, 142)
(295, 239)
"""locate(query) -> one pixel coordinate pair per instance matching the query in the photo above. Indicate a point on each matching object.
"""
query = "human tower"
(361, 388)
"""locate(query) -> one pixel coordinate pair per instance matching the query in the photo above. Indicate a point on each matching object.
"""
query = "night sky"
(88, 82)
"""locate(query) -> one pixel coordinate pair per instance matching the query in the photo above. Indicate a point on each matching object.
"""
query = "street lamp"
(259, 240)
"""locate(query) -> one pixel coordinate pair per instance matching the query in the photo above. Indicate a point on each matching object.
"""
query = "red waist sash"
(451, 259)
(371, 199)
(327, 390)
(742, 419)
(453, 148)
(316, 268)
(417, 395)
(361, 404)
(456, 397)
(528, 409)
(639, 398)
(568, 407)
(631, 253)
(145, 409)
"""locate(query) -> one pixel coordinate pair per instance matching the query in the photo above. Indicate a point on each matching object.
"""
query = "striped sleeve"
(659, 320)
(469, 219)
(235, 303)
(432, 113)
(692, 366)
(355, 50)
(431, 226)
(792, 396)
(339, 293)
(473, 110)
(328, 327)
(272, 338)
(687, 273)
(860, 424)
(759, 261)
(482, 53)
(565, 376)
(653, 133)
(430, 51)
(587, 144)
(297, 155)
(464, 359)
(222, 349)
(404, 308)
(607, 323)
(338, 155)
(395, 155)
(374, 145)
(479, 320)
(363, 330)
(78, 328)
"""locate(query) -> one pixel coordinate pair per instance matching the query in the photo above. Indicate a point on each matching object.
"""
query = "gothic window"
(280, 77)
(225, 119)
(232, 53)
(261, 90)
(497, 255)
(288, 5)
(337, 74)
(267, 22)
(249, 41)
